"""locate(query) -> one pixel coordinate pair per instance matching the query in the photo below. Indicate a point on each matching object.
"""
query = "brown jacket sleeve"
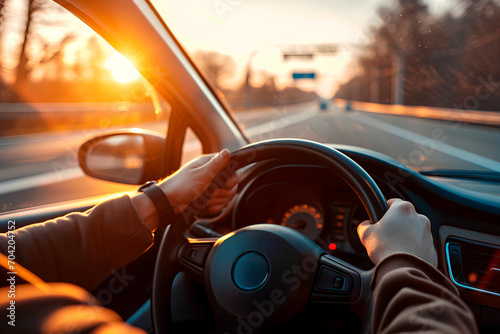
(412, 296)
(83, 248)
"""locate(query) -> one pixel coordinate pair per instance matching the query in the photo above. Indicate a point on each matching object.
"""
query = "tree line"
(44, 57)
(446, 60)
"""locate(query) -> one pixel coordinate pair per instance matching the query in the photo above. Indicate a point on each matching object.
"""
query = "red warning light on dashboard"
(332, 246)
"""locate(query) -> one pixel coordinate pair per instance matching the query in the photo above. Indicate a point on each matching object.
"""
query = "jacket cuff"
(405, 260)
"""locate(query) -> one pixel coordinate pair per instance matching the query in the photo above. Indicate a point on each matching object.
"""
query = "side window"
(60, 85)
(192, 147)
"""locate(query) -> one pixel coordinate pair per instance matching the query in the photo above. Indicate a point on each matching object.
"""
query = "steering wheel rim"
(353, 174)
(174, 240)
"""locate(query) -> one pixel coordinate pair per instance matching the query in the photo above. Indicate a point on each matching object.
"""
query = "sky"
(254, 32)
(240, 26)
(257, 30)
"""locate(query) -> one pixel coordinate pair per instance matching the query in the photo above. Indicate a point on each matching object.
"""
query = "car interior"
(322, 191)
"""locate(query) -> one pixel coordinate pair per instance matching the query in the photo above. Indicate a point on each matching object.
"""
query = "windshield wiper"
(463, 174)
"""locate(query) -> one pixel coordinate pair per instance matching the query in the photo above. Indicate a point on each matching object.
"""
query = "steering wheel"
(262, 275)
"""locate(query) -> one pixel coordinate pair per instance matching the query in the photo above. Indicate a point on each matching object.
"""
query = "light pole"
(398, 78)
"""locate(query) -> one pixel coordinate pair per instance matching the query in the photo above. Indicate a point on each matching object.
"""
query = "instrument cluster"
(319, 205)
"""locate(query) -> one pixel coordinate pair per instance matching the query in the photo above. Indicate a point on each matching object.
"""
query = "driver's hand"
(401, 230)
(193, 179)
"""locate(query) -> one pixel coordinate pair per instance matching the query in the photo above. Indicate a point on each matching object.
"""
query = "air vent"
(474, 265)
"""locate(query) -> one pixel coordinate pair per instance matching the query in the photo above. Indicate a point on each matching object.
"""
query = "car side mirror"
(132, 157)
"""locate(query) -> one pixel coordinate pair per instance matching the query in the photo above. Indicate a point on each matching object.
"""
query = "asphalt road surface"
(42, 169)
(421, 144)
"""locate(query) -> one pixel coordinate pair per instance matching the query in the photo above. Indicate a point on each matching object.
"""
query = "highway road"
(422, 144)
(42, 169)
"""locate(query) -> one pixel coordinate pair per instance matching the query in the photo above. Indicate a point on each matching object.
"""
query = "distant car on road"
(348, 106)
(323, 104)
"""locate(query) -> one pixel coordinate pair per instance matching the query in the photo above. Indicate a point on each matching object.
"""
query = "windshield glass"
(416, 80)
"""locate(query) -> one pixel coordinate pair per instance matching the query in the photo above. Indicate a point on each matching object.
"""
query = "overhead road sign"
(303, 75)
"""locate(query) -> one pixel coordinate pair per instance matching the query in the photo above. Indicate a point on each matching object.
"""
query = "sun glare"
(121, 68)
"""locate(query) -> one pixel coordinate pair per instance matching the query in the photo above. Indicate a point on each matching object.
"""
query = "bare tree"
(22, 72)
(215, 66)
(446, 56)
(5, 92)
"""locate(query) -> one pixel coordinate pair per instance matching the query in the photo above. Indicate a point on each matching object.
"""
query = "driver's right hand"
(401, 230)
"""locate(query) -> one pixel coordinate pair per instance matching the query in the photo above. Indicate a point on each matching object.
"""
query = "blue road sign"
(304, 75)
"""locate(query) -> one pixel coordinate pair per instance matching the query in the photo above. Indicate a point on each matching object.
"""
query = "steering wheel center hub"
(258, 270)
(250, 271)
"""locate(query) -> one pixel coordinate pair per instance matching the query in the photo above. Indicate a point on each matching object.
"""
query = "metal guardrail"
(491, 118)
(42, 107)
(24, 118)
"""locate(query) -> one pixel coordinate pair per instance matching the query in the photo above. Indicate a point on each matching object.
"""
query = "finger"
(224, 192)
(362, 228)
(393, 200)
(405, 207)
(215, 164)
(425, 221)
(201, 160)
(217, 201)
(233, 180)
(212, 210)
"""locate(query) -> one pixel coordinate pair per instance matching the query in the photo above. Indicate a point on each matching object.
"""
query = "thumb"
(216, 164)
(362, 228)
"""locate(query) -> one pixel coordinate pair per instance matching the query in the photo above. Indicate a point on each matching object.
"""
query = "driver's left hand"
(194, 178)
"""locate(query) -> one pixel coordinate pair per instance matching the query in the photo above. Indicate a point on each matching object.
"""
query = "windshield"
(416, 80)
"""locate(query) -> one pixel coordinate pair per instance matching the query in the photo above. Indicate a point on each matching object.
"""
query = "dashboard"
(310, 199)
(318, 203)
(465, 217)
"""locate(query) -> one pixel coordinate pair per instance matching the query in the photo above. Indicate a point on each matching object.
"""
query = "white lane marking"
(34, 181)
(440, 146)
(280, 123)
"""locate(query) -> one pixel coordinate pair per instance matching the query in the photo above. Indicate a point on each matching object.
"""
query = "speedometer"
(304, 218)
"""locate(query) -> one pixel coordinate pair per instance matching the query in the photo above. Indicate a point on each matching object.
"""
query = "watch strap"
(160, 201)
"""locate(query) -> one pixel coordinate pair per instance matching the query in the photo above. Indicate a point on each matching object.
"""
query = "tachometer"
(304, 218)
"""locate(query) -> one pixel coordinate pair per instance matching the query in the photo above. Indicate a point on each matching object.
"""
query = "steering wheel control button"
(338, 283)
(250, 271)
(333, 281)
(195, 254)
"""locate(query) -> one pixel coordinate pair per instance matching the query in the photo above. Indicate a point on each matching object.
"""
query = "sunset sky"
(246, 25)
(257, 31)
(251, 31)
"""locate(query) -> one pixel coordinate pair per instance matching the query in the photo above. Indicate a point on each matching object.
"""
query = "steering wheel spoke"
(336, 282)
(193, 254)
(340, 282)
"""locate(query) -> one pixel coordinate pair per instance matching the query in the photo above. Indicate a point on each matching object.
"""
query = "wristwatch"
(160, 201)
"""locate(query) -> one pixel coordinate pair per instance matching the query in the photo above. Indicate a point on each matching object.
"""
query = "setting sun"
(121, 68)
